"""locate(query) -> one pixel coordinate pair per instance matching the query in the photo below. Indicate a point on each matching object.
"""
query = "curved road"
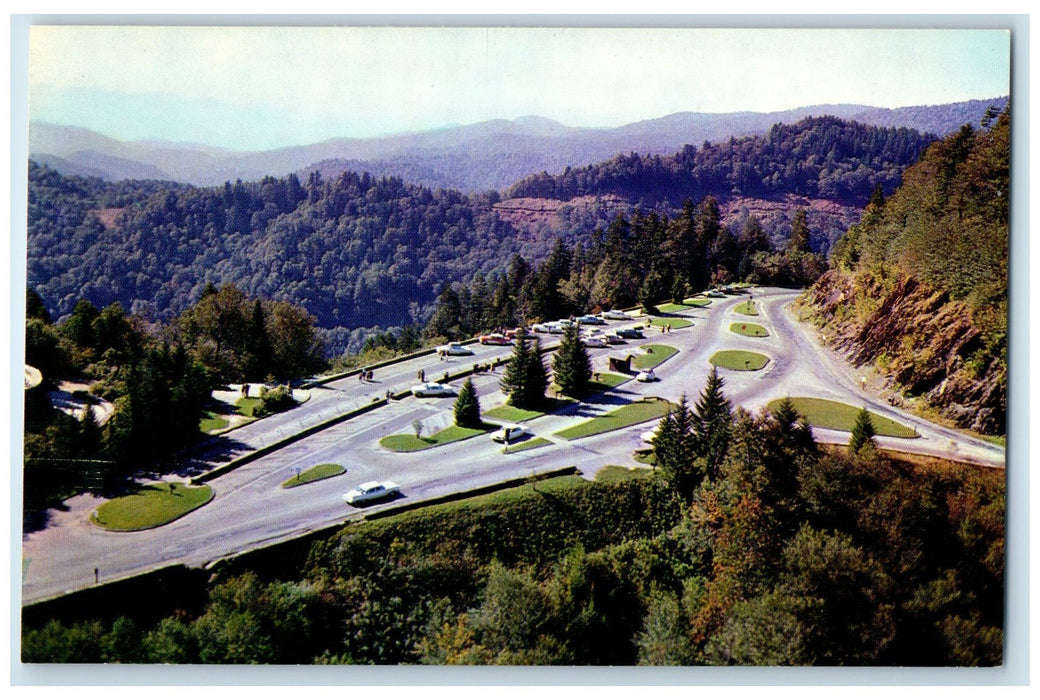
(250, 510)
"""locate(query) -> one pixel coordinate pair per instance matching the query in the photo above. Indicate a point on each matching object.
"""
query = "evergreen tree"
(572, 368)
(515, 376)
(537, 377)
(712, 421)
(863, 432)
(467, 406)
(675, 450)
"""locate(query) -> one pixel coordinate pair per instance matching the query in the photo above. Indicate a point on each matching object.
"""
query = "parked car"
(614, 339)
(540, 328)
(509, 433)
(495, 339)
(647, 376)
(555, 328)
(454, 349)
(512, 333)
(432, 389)
(629, 332)
(594, 341)
(616, 315)
(371, 491)
(716, 294)
(650, 435)
(590, 320)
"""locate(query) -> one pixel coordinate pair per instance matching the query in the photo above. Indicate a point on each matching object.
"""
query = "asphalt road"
(250, 510)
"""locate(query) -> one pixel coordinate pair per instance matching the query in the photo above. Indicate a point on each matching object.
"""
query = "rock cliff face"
(926, 345)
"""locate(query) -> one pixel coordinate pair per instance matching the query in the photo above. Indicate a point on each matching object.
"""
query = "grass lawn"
(322, 471)
(675, 323)
(747, 308)
(822, 413)
(212, 422)
(409, 443)
(739, 360)
(687, 304)
(613, 474)
(151, 506)
(526, 445)
(629, 414)
(656, 354)
(749, 329)
(606, 382)
(247, 406)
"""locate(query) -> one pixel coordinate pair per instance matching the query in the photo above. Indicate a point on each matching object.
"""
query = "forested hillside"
(354, 251)
(919, 288)
(821, 157)
(359, 251)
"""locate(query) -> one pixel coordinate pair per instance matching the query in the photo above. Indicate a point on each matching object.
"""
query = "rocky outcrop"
(923, 342)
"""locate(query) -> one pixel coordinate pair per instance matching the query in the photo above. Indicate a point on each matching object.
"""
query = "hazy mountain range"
(489, 155)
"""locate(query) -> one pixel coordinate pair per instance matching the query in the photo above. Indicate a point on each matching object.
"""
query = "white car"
(555, 328)
(590, 320)
(432, 389)
(454, 349)
(594, 341)
(509, 433)
(647, 376)
(371, 491)
(616, 315)
(649, 436)
(614, 339)
(540, 328)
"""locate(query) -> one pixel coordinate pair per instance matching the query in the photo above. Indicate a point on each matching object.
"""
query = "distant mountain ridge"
(489, 155)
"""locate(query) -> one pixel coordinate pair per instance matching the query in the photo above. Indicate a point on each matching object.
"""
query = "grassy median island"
(322, 471)
(655, 355)
(833, 415)
(747, 308)
(512, 414)
(409, 443)
(629, 414)
(741, 360)
(752, 330)
(151, 505)
(674, 321)
(697, 302)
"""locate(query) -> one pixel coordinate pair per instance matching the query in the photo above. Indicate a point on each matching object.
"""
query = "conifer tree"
(712, 421)
(863, 432)
(675, 450)
(537, 377)
(467, 406)
(572, 368)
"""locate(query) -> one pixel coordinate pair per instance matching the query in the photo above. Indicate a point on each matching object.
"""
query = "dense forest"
(361, 252)
(822, 157)
(919, 288)
(748, 545)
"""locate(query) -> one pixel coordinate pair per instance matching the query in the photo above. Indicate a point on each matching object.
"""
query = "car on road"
(629, 332)
(716, 294)
(647, 376)
(371, 491)
(616, 315)
(509, 433)
(594, 341)
(454, 349)
(590, 320)
(432, 389)
(495, 339)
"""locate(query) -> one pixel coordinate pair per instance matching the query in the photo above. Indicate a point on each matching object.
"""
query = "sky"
(252, 88)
